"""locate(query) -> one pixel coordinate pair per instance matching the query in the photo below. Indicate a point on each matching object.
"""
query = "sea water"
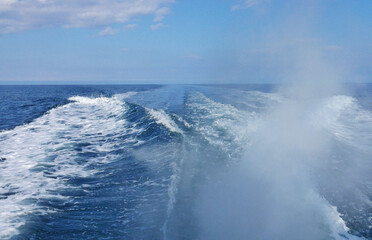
(184, 162)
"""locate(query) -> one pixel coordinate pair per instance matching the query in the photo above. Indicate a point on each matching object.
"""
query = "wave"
(346, 120)
(220, 124)
(74, 141)
(345, 175)
(126, 95)
(215, 171)
(163, 118)
(38, 156)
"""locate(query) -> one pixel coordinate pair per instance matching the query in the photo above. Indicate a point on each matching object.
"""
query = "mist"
(273, 192)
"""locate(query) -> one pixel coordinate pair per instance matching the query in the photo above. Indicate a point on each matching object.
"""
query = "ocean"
(184, 162)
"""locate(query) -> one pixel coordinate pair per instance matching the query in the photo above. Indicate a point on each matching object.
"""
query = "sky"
(178, 41)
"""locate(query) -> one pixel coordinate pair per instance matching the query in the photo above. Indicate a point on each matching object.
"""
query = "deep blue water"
(184, 162)
(22, 104)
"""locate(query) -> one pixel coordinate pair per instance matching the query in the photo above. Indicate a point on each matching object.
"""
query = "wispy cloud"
(246, 4)
(107, 31)
(17, 15)
(156, 26)
(160, 13)
(110, 31)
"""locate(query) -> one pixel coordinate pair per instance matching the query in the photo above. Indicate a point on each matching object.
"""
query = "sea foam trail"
(40, 156)
(349, 127)
(178, 153)
(345, 177)
(99, 127)
(214, 136)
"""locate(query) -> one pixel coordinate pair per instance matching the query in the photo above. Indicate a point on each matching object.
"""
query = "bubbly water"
(184, 162)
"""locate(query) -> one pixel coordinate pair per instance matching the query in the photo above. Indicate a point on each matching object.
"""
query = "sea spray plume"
(272, 193)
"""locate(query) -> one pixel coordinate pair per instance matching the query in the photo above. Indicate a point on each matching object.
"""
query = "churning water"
(184, 162)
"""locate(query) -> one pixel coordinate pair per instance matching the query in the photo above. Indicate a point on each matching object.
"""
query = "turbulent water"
(184, 162)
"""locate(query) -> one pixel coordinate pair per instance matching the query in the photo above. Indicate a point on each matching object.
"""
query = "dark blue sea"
(185, 162)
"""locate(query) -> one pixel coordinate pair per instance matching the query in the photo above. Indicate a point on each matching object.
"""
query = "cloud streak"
(16, 16)
(160, 13)
(156, 26)
(107, 31)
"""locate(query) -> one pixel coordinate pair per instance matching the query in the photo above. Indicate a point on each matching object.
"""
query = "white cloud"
(156, 26)
(17, 15)
(107, 31)
(247, 4)
(110, 31)
(160, 13)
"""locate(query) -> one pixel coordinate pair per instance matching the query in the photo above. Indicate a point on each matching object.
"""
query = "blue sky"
(178, 41)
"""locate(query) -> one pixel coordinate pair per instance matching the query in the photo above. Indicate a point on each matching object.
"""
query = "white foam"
(164, 119)
(346, 120)
(339, 230)
(126, 95)
(88, 100)
(221, 124)
(184, 122)
(172, 192)
(333, 107)
(48, 142)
